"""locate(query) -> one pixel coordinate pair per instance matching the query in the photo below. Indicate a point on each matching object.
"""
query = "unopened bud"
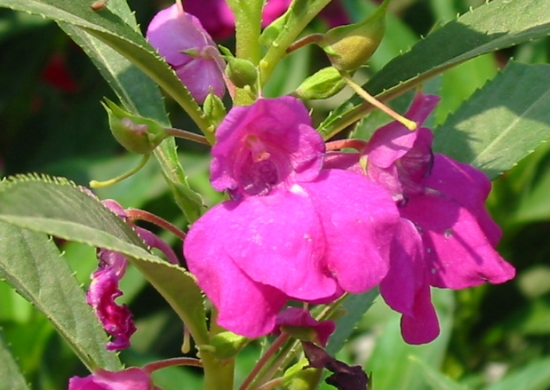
(137, 134)
(301, 377)
(348, 47)
(323, 84)
(241, 72)
(214, 109)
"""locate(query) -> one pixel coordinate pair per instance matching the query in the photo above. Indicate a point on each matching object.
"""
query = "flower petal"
(359, 219)
(235, 295)
(458, 252)
(422, 326)
(277, 240)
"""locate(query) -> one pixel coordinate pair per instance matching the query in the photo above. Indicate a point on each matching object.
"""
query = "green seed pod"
(348, 47)
(137, 134)
(227, 344)
(323, 84)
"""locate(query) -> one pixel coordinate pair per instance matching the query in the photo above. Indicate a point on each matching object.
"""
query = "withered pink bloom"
(297, 317)
(291, 230)
(446, 238)
(186, 46)
(117, 319)
(129, 379)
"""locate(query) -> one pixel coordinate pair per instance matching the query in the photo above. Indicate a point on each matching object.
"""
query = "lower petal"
(245, 307)
(422, 326)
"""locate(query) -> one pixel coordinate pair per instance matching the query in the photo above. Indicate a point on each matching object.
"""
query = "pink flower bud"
(129, 379)
(186, 46)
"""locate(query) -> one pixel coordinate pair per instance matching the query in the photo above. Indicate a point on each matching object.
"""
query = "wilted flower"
(117, 319)
(129, 379)
(292, 229)
(180, 38)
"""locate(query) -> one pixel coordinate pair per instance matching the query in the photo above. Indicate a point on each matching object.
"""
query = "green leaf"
(111, 29)
(11, 377)
(355, 305)
(57, 207)
(435, 378)
(533, 376)
(32, 264)
(502, 123)
(391, 363)
(492, 26)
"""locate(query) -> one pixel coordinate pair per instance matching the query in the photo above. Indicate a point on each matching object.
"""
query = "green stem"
(300, 13)
(217, 375)
(248, 17)
(411, 125)
(110, 182)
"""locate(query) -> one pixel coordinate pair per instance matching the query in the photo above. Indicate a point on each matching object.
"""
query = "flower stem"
(300, 13)
(308, 39)
(186, 135)
(184, 361)
(376, 103)
(356, 144)
(107, 183)
(142, 215)
(271, 384)
(279, 341)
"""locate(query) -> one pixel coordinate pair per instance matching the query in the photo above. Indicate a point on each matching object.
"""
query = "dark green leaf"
(56, 207)
(492, 26)
(10, 376)
(502, 123)
(32, 264)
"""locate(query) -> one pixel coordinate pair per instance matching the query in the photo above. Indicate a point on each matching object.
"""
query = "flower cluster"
(307, 225)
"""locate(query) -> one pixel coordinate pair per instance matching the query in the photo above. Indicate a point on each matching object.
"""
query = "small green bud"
(241, 72)
(298, 377)
(272, 32)
(349, 47)
(137, 134)
(323, 84)
(227, 344)
(214, 109)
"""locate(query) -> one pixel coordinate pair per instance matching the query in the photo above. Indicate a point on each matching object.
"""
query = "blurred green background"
(51, 121)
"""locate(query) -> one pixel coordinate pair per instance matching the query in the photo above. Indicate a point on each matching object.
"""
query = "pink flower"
(292, 230)
(445, 237)
(180, 38)
(129, 379)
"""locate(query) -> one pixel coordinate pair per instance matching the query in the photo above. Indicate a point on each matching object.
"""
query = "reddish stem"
(356, 144)
(142, 215)
(264, 359)
(154, 366)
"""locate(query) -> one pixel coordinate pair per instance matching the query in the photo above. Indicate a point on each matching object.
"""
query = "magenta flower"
(186, 46)
(446, 238)
(292, 230)
(129, 379)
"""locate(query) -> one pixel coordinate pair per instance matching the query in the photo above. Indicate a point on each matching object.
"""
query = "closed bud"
(323, 84)
(214, 109)
(137, 134)
(241, 72)
(348, 47)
